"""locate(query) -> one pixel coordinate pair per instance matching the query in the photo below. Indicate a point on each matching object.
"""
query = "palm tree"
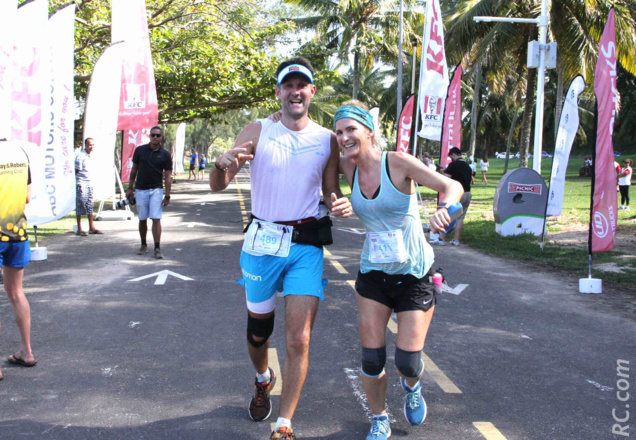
(576, 27)
(364, 29)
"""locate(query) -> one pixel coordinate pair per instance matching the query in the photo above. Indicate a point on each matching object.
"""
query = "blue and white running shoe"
(414, 405)
(380, 429)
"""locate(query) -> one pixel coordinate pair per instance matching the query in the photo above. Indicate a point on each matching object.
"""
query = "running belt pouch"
(316, 233)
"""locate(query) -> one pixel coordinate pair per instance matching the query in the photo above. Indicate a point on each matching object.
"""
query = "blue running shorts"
(149, 203)
(15, 254)
(300, 273)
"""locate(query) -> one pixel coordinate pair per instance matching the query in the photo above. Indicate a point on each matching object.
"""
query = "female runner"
(396, 260)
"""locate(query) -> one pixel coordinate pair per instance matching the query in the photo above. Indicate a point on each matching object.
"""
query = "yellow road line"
(489, 431)
(272, 354)
(335, 263)
(275, 365)
(433, 370)
(439, 377)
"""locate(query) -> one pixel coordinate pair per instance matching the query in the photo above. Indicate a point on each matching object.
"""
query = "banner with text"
(100, 118)
(568, 126)
(30, 79)
(433, 74)
(138, 100)
(57, 146)
(405, 125)
(8, 12)
(452, 130)
(604, 200)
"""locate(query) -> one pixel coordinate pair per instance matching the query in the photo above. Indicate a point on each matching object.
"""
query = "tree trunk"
(559, 102)
(528, 113)
(512, 129)
(475, 110)
(356, 75)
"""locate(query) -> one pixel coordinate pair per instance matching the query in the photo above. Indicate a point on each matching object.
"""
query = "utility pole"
(542, 22)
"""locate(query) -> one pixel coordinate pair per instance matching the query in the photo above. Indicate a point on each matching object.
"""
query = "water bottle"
(438, 283)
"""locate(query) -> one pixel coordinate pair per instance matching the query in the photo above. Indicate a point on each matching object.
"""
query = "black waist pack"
(316, 233)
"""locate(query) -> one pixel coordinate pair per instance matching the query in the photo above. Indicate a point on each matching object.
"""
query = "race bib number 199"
(386, 247)
(268, 239)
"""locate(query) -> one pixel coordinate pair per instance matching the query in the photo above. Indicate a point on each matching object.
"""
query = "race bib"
(267, 238)
(386, 247)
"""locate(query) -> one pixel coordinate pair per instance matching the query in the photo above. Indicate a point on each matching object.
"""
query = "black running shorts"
(400, 293)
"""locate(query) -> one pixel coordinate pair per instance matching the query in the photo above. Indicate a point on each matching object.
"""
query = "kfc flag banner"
(132, 139)
(8, 11)
(452, 130)
(604, 201)
(138, 96)
(568, 126)
(405, 125)
(433, 74)
(179, 148)
(100, 118)
(57, 147)
(30, 79)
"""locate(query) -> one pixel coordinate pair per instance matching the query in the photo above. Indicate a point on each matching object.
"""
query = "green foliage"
(209, 56)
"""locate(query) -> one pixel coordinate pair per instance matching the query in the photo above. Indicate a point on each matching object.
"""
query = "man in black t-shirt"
(150, 162)
(460, 171)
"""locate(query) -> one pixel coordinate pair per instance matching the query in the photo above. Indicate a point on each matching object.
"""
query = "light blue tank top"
(389, 211)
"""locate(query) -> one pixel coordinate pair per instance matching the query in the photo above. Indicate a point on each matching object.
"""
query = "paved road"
(518, 354)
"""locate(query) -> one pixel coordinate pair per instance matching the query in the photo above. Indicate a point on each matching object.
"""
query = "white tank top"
(286, 171)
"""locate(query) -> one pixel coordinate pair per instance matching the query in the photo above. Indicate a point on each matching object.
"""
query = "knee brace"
(373, 360)
(409, 363)
(261, 328)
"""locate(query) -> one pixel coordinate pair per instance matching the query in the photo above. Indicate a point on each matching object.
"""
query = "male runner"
(291, 160)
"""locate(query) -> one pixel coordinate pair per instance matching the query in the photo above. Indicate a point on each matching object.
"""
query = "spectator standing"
(484, 165)
(84, 188)
(460, 171)
(624, 182)
(150, 162)
(15, 253)
(193, 165)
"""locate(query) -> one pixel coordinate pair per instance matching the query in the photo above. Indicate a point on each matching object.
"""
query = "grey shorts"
(84, 200)
(465, 201)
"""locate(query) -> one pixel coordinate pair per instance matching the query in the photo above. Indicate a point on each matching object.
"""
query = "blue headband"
(356, 113)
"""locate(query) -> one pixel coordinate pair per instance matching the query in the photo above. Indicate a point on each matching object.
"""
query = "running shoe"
(260, 405)
(158, 254)
(283, 433)
(455, 242)
(380, 429)
(414, 405)
(438, 242)
(143, 249)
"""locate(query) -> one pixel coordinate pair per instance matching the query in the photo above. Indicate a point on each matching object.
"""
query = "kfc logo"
(134, 96)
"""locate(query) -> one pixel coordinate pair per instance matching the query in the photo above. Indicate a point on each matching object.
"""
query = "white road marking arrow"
(455, 290)
(163, 276)
(353, 230)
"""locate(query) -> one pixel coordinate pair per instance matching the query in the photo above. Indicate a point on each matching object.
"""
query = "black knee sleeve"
(261, 328)
(373, 360)
(409, 363)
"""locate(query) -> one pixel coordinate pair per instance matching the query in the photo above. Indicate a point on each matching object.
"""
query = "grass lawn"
(479, 229)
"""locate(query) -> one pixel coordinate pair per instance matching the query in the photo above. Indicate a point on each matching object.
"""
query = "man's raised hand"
(234, 157)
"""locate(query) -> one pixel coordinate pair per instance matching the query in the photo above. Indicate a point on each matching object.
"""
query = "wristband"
(167, 197)
(216, 165)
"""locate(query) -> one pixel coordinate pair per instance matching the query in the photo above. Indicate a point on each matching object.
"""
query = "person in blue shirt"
(193, 165)
(202, 163)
